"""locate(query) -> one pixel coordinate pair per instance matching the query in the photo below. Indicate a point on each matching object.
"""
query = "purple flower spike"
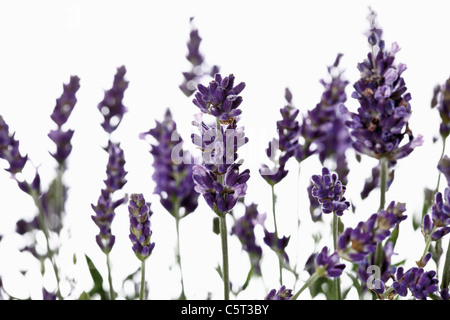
(173, 177)
(9, 149)
(329, 191)
(381, 122)
(328, 265)
(281, 294)
(111, 107)
(199, 68)
(419, 282)
(244, 229)
(441, 99)
(105, 207)
(356, 243)
(221, 98)
(277, 244)
(64, 107)
(140, 232)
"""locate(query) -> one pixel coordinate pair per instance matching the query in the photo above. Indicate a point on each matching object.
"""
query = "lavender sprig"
(199, 69)
(140, 232)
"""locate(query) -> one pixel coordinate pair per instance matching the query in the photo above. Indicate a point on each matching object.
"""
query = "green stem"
(383, 181)
(280, 262)
(439, 175)
(177, 222)
(307, 284)
(225, 269)
(446, 272)
(142, 292)
(337, 281)
(111, 289)
(298, 193)
(428, 243)
(43, 226)
(386, 293)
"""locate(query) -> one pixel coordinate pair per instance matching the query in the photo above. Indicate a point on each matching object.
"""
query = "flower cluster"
(281, 294)
(9, 149)
(438, 225)
(140, 232)
(244, 229)
(197, 60)
(278, 245)
(327, 264)
(111, 107)
(218, 178)
(221, 98)
(419, 282)
(173, 177)
(356, 243)
(287, 144)
(64, 106)
(329, 192)
(381, 121)
(325, 124)
(441, 99)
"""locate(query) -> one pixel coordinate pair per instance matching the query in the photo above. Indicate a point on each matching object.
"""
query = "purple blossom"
(419, 282)
(221, 98)
(199, 68)
(381, 122)
(356, 243)
(244, 229)
(328, 265)
(9, 149)
(140, 226)
(444, 168)
(174, 183)
(281, 294)
(329, 192)
(105, 207)
(222, 196)
(441, 99)
(438, 225)
(111, 107)
(277, 244)
(285, 146)
(325, 124)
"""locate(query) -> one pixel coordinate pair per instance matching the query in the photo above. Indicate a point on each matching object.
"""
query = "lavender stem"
(307, 284)
(274, 200)
(111, 289)
(142, 292)
(337, 281)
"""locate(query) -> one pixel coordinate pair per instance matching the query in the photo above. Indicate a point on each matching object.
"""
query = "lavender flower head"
(199, 68)
(438, 225)
(328, 264)
(381, 122)
(111, 106)
(285, 146)
(9, 149)
(140, 232)
(419, 282)
(221, 98)
(325, 124)
(278, 245)
(173, 177)
(354, 244)
(63, 108)
(329, 191)
(244, 229)
(106, 205)
(281, 294)
(441, 99)
(444, 168)
(218, 178)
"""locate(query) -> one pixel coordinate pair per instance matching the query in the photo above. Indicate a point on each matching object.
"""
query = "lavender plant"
(365, 252)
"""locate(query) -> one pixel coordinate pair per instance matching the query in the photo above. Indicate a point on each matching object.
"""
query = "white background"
(269, 45)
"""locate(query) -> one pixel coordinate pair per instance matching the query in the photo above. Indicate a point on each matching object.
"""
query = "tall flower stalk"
(173, 176)
(218, 178)
(112, 109)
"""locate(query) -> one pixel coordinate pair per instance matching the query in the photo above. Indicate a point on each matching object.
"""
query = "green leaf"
(97, 278)
(84, 296)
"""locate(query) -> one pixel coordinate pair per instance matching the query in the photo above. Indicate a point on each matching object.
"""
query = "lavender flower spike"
(381, 122)
(329, 191)
(419, 282)
(9, 149)
(111, 106)
(281, 294)
(328, 264)
(140, 232)
(221, 98)
(64, 107)
(441, 99)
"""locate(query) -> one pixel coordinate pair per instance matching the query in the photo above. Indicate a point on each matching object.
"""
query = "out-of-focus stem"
(111, 289)
(142, 292)
(307, 284)
(337, 281)
(274, 200)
